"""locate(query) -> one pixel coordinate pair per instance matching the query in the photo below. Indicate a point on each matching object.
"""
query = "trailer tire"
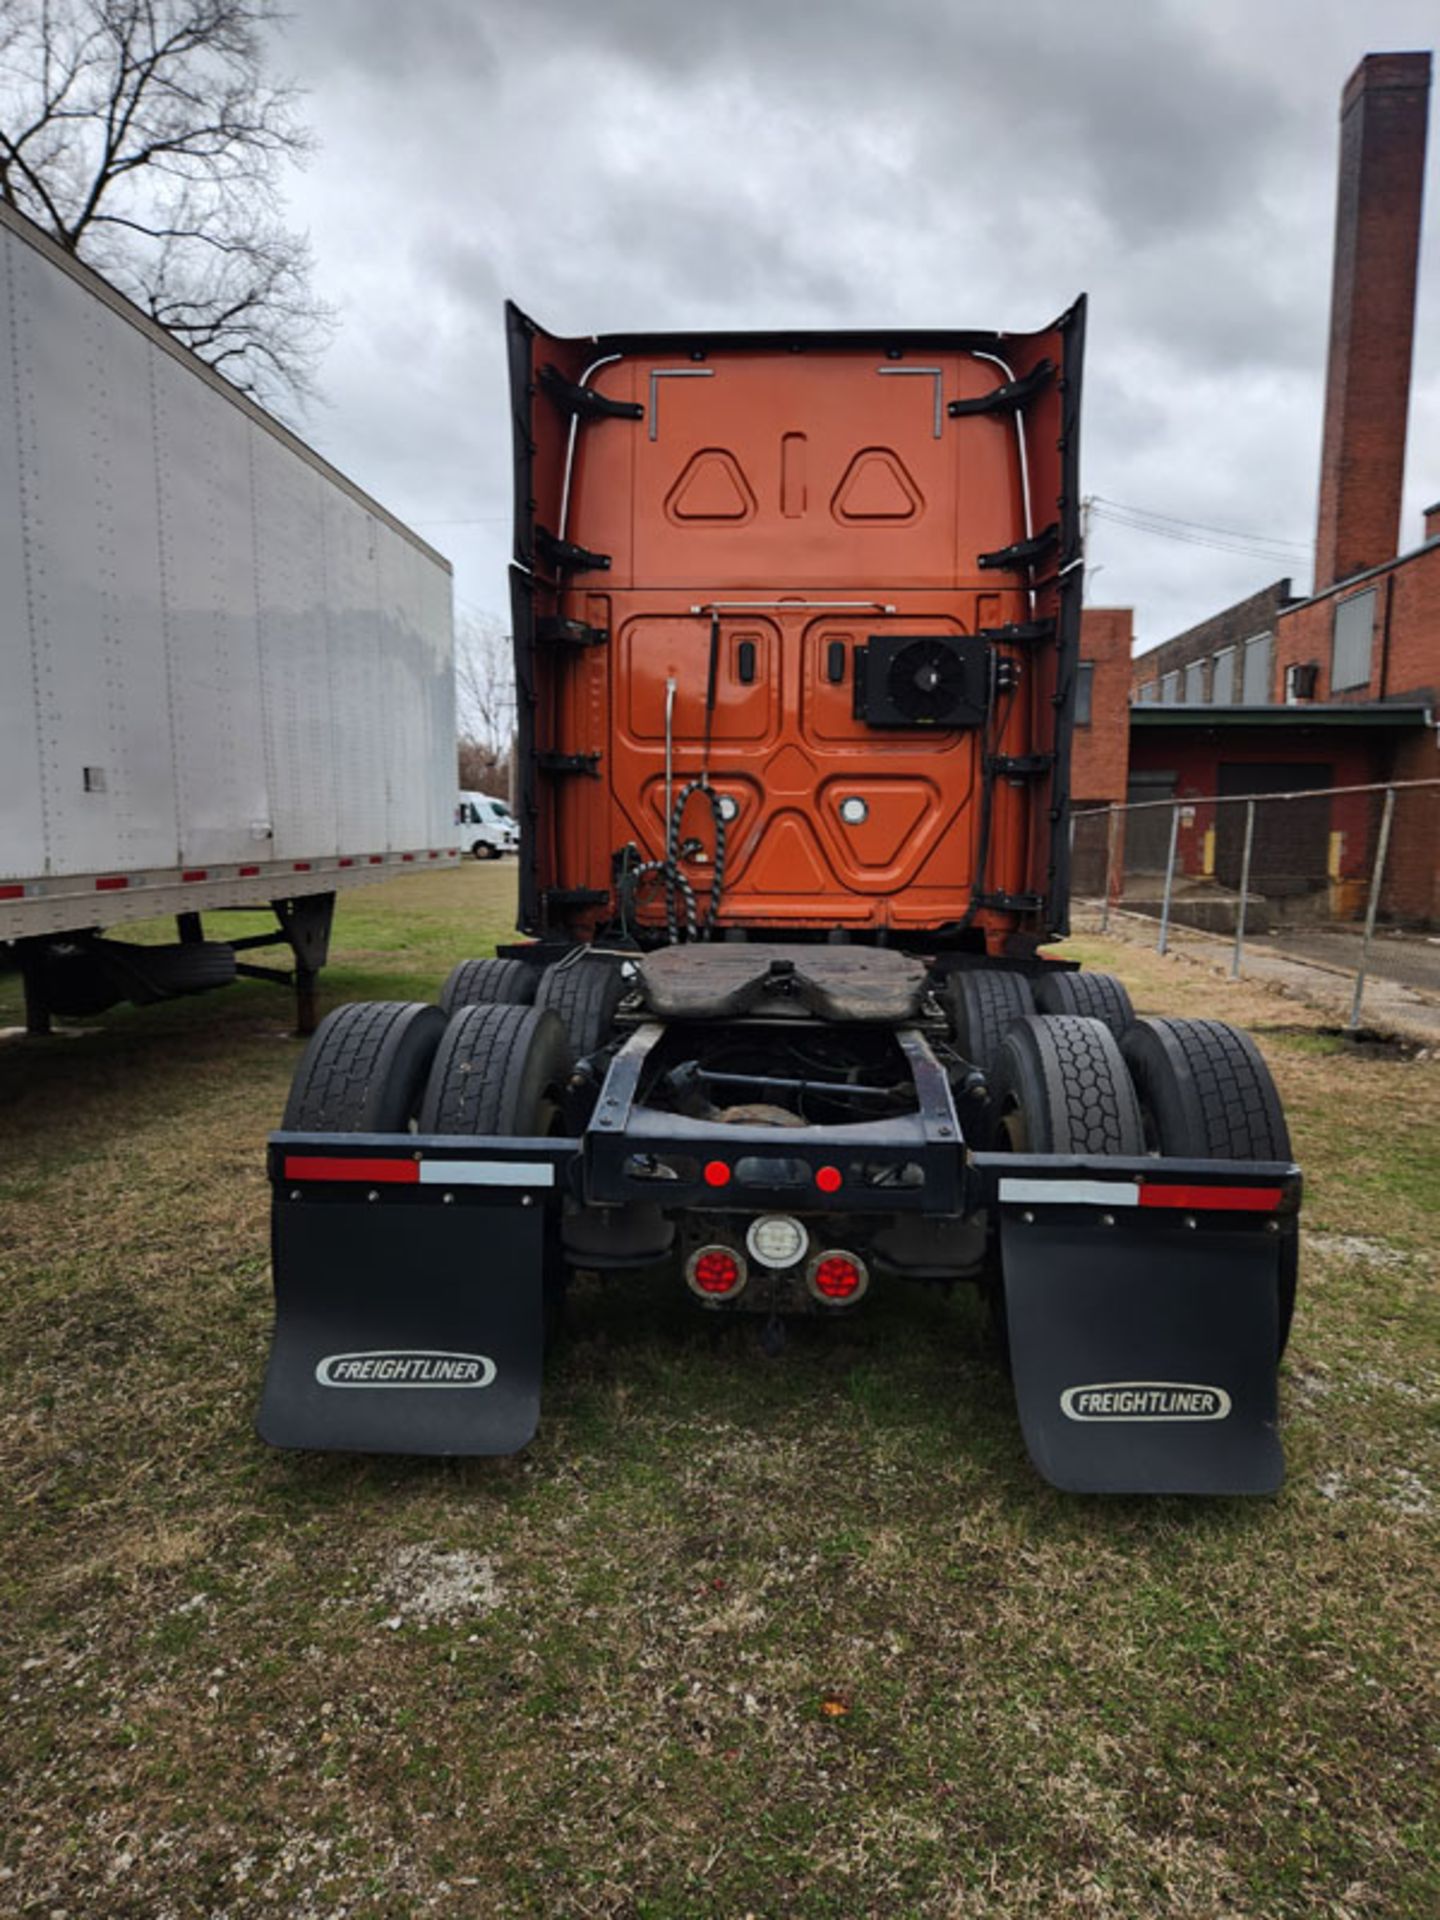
(1206, 1094)
(489, 983)
(1060, 1086)
(584, 991)
(498, 1070)
(364, 1069)
(1095, 996)
(984, 1002)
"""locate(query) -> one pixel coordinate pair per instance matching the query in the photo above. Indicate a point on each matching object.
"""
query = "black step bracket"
(586, 763)
(1009, 398)
(553, 630)
(1010, 902)
(584, 403)
(562, 899)
(1018, 632)
(564, 553)
(1020, 766)
(1024, 553)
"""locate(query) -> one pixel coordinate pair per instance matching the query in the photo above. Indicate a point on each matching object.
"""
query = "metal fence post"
(1244, 890)
(1164, 940)
(1372, 907)
(1110, 825)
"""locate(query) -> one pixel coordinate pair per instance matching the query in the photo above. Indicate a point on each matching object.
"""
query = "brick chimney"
(1372, 313)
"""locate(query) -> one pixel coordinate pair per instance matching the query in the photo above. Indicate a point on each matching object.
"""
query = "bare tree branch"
(484, 701)
(147, 137)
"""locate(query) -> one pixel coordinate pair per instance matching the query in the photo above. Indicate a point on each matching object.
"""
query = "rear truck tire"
(584, 991)
(1060, 1085)
(501, 1071)
(489, 983)
(1206, 1094)
(983, 1002)
(364, 1069)
(1095, 996)
(498, 1070)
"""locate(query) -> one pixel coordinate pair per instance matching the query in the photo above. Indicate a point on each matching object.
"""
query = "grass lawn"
(736, 1636)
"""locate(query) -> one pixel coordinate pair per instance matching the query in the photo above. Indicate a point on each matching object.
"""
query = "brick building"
(1282, 692)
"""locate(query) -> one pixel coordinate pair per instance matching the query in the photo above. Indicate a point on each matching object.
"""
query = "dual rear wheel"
(1111, 1084)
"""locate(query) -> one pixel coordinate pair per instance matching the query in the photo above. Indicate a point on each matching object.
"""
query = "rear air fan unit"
(927, 680)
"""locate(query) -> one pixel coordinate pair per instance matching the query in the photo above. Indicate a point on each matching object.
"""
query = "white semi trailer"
(225, 672)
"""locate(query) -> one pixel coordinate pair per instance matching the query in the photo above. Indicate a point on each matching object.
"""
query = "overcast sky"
(662, 163)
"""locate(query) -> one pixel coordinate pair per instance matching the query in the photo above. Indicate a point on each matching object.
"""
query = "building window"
(1351, 642)
(1255, 674)
(1222, 678)
(1170, 689)
(1149, 693)
(1195, 684)
(1084, 686)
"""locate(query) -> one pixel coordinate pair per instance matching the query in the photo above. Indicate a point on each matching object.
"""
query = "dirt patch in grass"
(801, 1636)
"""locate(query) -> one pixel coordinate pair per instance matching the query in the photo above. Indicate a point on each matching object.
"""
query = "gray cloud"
(769, 162)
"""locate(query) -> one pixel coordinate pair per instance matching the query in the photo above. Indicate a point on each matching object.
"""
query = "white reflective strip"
(486, 1173)
(1088, 1193)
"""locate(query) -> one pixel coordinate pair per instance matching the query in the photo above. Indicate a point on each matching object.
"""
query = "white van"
(487, 826)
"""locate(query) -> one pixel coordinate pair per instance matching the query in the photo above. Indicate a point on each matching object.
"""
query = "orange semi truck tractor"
(796, 623)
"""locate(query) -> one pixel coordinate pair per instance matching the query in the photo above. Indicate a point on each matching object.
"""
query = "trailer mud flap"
(403, 1323)
(1143, 1339)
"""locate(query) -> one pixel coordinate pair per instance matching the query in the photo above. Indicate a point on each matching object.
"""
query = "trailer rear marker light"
(196, 873)
(717, 1173)
(829, 1179)
(836, 1276)
(248, 873)
(715, 1272)
(1127, 1193)
(377, 859)
(112, 883)
(302, 866)
(347, 861)
(776, 1240)
(12, 893)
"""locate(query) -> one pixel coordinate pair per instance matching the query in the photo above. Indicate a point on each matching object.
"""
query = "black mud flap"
(1143, 1316)
(409, 1293)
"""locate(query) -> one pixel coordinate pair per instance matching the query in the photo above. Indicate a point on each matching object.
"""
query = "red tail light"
(838, 1277)
(715, 1273)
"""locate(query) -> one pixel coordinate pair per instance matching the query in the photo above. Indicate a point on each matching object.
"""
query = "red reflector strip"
(346, 862)
(1213, 1199)
(302, 866)
(433, 856)
(377, 859)
(196, 873)
(249, 873)
(12, 893)
(407, 856)
(112, 883)
(302, 1166)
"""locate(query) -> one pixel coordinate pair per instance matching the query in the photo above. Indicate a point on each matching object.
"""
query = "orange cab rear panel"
(730, 551)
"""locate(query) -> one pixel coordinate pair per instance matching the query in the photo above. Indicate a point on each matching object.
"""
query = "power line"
(1201, 526)
(1254, 550)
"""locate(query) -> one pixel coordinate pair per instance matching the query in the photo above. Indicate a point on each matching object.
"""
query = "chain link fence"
(1343, 882)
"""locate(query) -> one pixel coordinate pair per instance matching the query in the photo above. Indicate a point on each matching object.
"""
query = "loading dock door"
(1291, 836)
(1147, 833)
